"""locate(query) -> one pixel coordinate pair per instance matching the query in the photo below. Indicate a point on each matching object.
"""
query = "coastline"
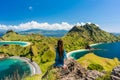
(95, 44)
(27, 43)
(70, 53)
(35, 69)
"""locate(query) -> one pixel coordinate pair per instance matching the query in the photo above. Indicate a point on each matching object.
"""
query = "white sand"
(95, 44)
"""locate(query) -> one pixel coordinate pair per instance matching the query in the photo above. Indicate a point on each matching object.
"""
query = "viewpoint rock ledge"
(75, 72)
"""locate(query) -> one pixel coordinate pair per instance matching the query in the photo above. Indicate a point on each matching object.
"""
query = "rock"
(115, 74)
(74, 72)
(93, 74)
(6, 45)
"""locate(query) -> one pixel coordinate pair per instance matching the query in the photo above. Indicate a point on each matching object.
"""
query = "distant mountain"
(2, 32)
(53, 33)
(116, 34)
(91, 32)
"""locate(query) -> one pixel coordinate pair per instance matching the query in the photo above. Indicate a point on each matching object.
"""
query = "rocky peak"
(115, 74)
(91, 33)
(78, 28)
(10, 31)
(74, 72)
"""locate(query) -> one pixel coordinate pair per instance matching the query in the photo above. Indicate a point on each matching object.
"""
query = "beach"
(35, 69)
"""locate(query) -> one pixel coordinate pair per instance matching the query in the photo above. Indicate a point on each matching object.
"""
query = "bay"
(107, 50)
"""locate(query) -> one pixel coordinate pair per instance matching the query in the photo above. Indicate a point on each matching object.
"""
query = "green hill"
(43, 48)
(92, 33)
(80, 36)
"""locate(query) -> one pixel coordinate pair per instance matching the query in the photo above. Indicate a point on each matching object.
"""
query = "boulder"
(115, 74)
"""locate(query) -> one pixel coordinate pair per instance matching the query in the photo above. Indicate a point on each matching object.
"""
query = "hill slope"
(91, 32)
(80, 36)
(108, 64)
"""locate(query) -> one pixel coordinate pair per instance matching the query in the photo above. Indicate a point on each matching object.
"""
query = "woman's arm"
(65, 57)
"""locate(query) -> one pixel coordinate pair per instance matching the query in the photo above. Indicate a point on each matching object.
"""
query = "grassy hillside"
(108, 64)
(43, 48)
(92, 33)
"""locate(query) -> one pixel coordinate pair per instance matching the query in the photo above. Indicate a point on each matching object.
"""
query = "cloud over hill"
(36, 25)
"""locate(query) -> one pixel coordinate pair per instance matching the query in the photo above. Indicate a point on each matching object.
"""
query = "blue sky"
(105, 13)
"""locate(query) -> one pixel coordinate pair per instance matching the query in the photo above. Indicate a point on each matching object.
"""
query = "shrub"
(97, 67)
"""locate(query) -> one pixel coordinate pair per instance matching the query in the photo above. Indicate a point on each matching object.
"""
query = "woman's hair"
(60, 47)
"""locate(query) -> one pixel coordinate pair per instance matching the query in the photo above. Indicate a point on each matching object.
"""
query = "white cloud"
(82, 23)
(36, 25)
(97, 25)
(78, 24)
(44, 26)
(30, 7)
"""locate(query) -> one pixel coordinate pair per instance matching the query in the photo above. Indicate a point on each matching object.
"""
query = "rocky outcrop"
(93, 74)
(74, 72)
(115, 74)
(2, 56)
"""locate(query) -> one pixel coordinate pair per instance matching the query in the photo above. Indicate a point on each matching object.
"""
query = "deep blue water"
(1, 35)
(13, 42)
(107, 50)
(12, 68)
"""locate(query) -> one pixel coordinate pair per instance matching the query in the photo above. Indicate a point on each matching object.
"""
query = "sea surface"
(107, 50)
(11, 68)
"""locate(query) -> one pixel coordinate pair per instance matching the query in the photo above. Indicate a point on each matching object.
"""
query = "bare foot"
(65, 67)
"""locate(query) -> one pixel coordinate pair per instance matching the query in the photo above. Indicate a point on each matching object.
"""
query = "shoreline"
(95, 44)
(70, 53)
(27, 43)
(35, 69)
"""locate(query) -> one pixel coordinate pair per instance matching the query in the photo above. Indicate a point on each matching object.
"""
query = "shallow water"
(13, 68)
(13, 42)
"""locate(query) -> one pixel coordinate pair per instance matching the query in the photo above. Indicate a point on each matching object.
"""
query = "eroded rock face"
(93, 74)
(75, 72)
(115, 74)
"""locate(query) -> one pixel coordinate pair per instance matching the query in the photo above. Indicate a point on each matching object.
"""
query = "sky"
(59, 14)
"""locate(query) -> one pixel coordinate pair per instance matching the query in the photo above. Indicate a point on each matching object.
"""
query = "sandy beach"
(95, 44)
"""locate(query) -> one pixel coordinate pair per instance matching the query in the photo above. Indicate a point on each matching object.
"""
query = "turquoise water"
(12, 68)
(13, 42)
(107, 50)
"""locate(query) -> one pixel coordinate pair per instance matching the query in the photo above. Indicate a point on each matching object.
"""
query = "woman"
(60, 55)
